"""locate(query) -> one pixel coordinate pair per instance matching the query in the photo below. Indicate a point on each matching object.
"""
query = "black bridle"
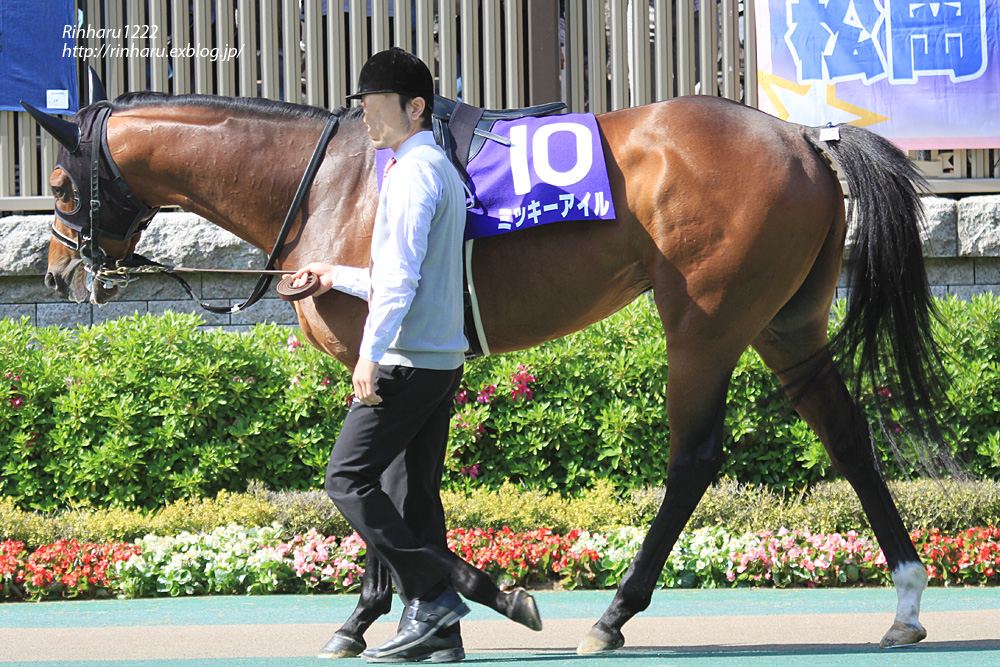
(114, 272)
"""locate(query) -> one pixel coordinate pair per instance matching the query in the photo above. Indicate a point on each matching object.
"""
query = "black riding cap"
(396, 71)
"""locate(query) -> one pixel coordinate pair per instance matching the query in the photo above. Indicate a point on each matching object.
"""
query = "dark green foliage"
(142, 411)
(145, 410)
(971, 340)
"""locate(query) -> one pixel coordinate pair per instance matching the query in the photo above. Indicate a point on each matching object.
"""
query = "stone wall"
(961, 246)
(176, 239)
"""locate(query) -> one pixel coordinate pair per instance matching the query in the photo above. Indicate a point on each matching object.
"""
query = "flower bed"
(519, 559)
(236, 560)
(63, 569)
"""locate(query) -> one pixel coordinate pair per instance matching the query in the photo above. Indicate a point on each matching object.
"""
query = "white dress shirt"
(415, 304)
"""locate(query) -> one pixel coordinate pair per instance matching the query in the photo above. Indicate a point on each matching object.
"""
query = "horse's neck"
(238, 172)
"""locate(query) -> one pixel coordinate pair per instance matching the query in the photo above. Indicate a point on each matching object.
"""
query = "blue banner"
(37, 59)
(924, 74)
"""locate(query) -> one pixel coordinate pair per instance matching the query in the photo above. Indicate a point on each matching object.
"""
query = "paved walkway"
(689, 628)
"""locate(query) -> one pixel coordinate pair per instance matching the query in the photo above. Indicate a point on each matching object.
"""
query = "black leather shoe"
(342, 646)
(422, 620)
(434, 649)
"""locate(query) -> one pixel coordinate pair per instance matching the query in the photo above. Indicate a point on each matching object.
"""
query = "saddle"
(461, 130)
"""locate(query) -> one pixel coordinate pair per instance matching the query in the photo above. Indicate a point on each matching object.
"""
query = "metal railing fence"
(613, 54)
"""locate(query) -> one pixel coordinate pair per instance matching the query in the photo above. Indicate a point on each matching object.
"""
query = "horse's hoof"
(523, 609)
(342, 646)
(902, 634)
(600, 641)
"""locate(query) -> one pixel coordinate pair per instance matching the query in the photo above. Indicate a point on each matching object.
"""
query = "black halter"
(121, 214)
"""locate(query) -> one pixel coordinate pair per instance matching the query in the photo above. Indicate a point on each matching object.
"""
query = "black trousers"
(411, 424)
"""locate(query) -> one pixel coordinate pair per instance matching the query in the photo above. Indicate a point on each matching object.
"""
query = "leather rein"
(112, 271)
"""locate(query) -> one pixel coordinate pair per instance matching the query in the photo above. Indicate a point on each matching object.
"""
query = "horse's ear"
(97, 92)
(65, 132)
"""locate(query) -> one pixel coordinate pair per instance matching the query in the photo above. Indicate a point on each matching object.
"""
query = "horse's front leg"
(822, 400)
(375, 601)
(696, 395)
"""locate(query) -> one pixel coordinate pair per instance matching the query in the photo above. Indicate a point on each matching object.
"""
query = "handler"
(411, 359)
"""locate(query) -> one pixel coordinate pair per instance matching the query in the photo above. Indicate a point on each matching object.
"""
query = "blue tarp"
(37, 59)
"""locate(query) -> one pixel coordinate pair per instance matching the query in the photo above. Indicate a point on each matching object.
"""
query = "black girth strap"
(264, 282)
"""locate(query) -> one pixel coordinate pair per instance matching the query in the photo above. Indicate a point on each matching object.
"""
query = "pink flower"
(462, 397)
(486, 395)
(293, 343)
(521, 379)
(472, 471)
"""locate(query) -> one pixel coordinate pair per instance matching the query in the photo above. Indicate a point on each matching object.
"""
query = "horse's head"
(97, 217)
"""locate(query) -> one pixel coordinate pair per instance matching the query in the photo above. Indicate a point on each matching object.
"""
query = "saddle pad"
(553, 170)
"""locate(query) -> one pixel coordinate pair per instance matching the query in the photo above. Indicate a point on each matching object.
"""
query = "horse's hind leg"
(696, 396)
(803, 364)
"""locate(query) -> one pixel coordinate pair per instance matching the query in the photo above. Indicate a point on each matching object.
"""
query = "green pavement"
(294, 609)
(690, 627)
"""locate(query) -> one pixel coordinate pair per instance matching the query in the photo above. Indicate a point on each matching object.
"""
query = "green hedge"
(828, 507)
(146, 410)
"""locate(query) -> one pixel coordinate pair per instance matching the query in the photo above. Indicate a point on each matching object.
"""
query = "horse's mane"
(254, 106)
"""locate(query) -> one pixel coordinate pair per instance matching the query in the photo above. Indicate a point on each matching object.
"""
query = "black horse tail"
(890, 308)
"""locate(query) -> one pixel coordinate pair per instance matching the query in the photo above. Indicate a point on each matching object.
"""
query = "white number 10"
(540, 156)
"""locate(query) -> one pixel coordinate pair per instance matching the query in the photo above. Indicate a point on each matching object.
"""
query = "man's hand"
(323, 271)
(364, 382)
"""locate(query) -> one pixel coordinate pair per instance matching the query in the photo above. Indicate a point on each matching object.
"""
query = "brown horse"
(734, 219)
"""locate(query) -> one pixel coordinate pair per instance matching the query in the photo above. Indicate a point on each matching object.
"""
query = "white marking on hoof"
(910, 580)
(901, 635)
